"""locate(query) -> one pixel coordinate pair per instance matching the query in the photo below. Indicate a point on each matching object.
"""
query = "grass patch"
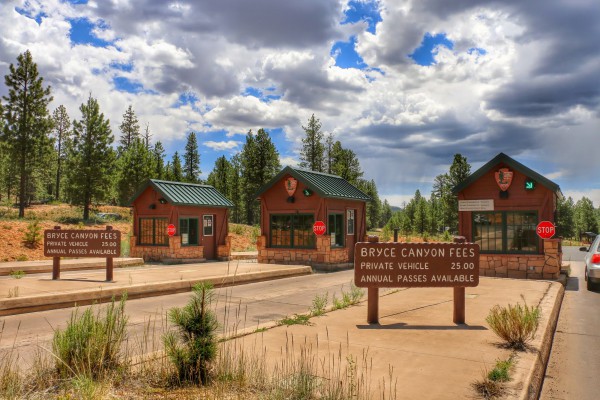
(348, 298)
(297, 319)
(516, 325)
(90, 345)
(492, 385)
(17, 274)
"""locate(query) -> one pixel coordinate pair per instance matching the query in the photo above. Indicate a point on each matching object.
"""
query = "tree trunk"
(22, 187)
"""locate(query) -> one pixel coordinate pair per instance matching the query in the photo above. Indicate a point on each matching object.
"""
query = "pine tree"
(584, 217)
(130, 129)
(386, 212)
(158, 153)
(346, 164)
(191, 160)
(219, 178)
(565, 210)
(147, 136)
(176, 171)
(27, 123)
(329, 142)
(235, 185)
(168, 175)
(373, 206)
(442, 189)
(136, 167)
(91, 157)
(312, 153)
(260, 163)
(62, 135)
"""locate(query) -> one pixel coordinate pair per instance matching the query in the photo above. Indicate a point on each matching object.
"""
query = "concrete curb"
(20, 305)
(46, 266)
(551, 301)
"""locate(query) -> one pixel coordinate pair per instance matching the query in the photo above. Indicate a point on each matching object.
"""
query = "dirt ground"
(12, 230)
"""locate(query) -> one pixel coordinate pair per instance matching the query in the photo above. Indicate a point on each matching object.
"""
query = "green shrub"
(319, 304)
(90, 345)
(194, 346)
(516, 325)
(446, 236)
(22, 257)
(17, 274)
(33, 235)
(501, 372)
(236, 228)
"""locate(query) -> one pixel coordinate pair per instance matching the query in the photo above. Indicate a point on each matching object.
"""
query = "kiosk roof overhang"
(503, 158)
(185, 194)
(325, 185)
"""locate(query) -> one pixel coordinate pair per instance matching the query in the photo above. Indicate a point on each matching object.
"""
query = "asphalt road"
(239, 307)
(574, 367)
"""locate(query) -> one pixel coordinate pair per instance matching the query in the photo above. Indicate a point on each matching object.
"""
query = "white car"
(592, 263)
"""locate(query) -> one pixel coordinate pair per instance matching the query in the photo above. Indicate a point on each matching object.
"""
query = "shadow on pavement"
(572, 284)
(401, 325)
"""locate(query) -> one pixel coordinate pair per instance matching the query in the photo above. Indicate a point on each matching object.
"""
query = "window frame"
(154, 231)
(292, 244)
(350, 212)
(211, 217)
(504, 231)
(181, 232)
(342, 227)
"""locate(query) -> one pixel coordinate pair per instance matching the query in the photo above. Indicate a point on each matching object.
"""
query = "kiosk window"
(336, 229)
(350, 222)
(292, 230)
(153, 232)
(188, 229)
(506, 231)
(207, 225)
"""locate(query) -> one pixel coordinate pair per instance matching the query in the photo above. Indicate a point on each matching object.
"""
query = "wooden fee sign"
(416, 265)
(82, 243)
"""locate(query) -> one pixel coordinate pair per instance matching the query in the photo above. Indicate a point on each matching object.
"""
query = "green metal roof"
(325, 185)
(186, 194)
(503, 158)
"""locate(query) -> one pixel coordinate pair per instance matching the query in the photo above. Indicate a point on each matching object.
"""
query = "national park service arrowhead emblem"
(504, 178)
(290, 185)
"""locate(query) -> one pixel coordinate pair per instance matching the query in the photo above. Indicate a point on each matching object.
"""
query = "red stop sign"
(171, 229)
(319, 228)
(546, 229)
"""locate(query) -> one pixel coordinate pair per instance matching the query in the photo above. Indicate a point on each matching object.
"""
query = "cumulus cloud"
(520, 77)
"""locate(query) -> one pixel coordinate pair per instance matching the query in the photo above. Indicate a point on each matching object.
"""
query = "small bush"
(17, 274)
(22, 257)
(446, 236)
(516, 325)
(195, 346)
(319, 304)
(33, 235)
(236, 228)
(90, 345)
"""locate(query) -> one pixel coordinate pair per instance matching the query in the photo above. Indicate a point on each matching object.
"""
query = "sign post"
(546, 229)
(82, 243)
(416, 265)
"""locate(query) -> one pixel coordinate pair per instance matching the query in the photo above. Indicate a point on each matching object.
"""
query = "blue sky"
(406, 85)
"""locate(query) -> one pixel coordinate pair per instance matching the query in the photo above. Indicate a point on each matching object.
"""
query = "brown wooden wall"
(274, 201)
(541, 199)
(141, 208)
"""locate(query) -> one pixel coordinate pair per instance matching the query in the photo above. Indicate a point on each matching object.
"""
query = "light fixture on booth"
(152, 206)
(162, 201)
(307, 192)
(290, 199)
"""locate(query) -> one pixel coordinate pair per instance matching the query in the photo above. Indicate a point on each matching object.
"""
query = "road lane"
(574, 365)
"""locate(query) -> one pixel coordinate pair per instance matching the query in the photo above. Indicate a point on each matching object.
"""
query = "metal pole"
(459, 305)
(109, 263)
(373, 305)
(395, 234)
(56, 264)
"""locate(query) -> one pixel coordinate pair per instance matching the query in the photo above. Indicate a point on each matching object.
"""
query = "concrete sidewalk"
(430, 357)
(37, 293)
(76, 264)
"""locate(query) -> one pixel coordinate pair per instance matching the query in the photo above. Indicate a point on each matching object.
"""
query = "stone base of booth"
(322, 254)
(175, 251)
(524, 266)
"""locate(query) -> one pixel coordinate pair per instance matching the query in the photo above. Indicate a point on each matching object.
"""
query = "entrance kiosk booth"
(296, 204)
(177, 222)
(499, 207)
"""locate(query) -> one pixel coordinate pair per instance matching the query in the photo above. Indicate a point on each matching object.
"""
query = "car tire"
(590, 285)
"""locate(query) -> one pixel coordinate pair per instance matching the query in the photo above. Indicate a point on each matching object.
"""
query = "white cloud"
(226, 145)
